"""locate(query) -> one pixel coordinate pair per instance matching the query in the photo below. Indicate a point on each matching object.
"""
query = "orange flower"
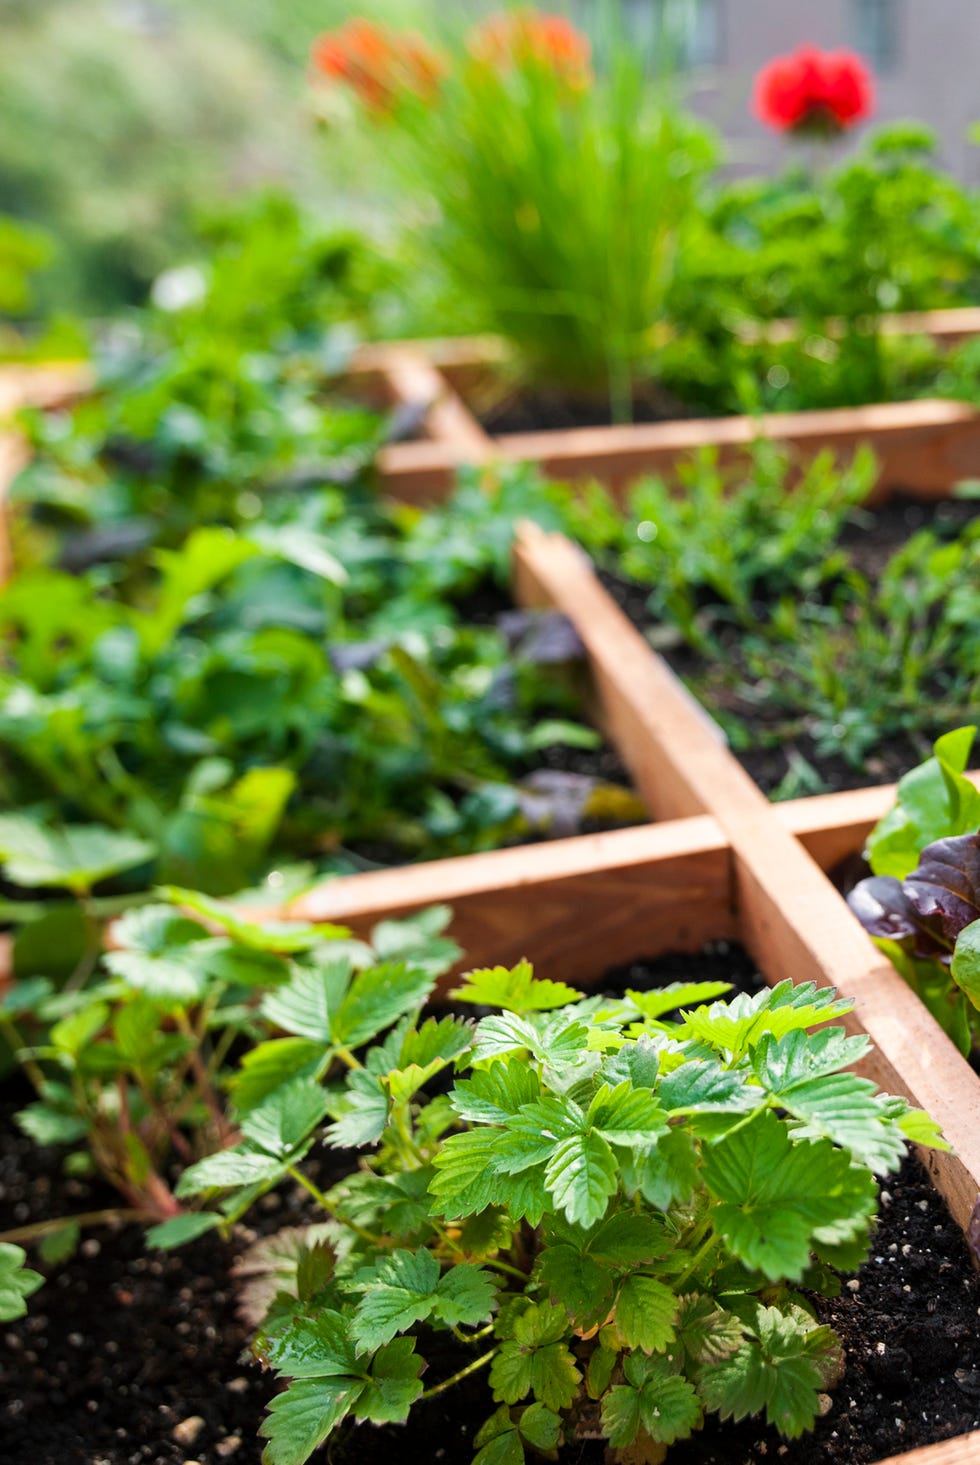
(521, 36)
(376, 64)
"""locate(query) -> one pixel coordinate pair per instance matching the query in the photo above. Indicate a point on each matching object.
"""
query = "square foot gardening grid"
(721, 863)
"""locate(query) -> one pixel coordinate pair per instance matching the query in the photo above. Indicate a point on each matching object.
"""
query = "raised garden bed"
(923, 447)
(722, 864)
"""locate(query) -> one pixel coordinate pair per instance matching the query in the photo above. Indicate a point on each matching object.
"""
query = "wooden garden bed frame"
(720, 863)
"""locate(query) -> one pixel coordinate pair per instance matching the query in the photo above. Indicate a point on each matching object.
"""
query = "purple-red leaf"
(928, 910)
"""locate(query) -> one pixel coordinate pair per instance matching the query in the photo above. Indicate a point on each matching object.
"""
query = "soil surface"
(129, 1357)
(870, 541)
(536, 410)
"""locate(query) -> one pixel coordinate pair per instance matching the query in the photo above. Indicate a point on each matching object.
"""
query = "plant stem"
(464, 1373)
(33, 1069)
(88, 1218)
(703, 1251)
(321, 1200)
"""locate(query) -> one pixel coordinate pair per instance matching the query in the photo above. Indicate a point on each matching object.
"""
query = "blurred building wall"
(925, 55)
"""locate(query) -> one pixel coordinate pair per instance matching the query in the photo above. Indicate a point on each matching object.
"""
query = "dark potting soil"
(869, 541)
(534, 409)
(130, 1357)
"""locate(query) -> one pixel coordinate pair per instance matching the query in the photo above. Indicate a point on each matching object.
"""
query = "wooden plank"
(963, 1450)
(414, 381)
(924, 447)
(45, 384)
(572, 906)
(791, 918)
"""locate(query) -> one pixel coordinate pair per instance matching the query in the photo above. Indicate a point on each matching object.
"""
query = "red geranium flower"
(519, 36)
(821, 93)
(378, 65)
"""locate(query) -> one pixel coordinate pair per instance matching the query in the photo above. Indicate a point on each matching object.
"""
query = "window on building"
(683, 33)
(876, 32)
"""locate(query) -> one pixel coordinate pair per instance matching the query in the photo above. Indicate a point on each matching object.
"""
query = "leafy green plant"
(858, 662)
(568, 251)
(131, 1063)
(716, 546)
(621, 1206)
(922, 902)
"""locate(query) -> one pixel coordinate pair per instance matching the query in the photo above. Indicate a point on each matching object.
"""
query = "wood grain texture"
(573, 907)
(924, 447)
(791, 918)
(964, 1450)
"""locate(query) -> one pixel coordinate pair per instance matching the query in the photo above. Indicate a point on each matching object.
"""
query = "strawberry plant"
(131, 1065)
(922, 902)
(618, 1215)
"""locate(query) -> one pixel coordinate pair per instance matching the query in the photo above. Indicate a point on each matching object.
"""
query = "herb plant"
(130, 1062)
(718, 546)
(922, 903)
(611, 1210)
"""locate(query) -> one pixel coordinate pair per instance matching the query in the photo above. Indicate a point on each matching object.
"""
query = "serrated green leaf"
(311, 1347)
(776, 1197)
(537, 1360)
(701, 1087)
(581, 1177)
(733, 1027)
(46, 1126)
(921, 1129)
(17, 1282)
(229, 1168)
(645, 1314)
(600, 1371)
(578, 1282)
(362, 1114)
(270, 1064)
(280, 1123)
(463, 1182)
(782, 1370)
(277, 936)
(630, 1240)
(304, 1005)
(515, 989)
(656, 1398)
(394, 1384)
(301, 1418)
(177, 979)
(406, 1288)
(626, 1116)
(561, 1041)
(73, 857)
(540, 1426)
(666, 1175)
(674, 995)
(495, 1094)
(377, 998)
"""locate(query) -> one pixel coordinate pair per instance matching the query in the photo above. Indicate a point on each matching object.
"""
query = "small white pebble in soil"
(906, 1288)
(90, 1247)
(826, 1403)
(893, 1249)
(923, 1205)
(187, 1431)
(238, 1386)
(885, 1196)
(854, 1285)
(228, 1446)
(879, 1347)
(75, 1340)
(907, 1249)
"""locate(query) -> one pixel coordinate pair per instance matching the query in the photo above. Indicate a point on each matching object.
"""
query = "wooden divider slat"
(590, 903)
(964, 1450)
(923, 447)
(412, 380)
(791, 917)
